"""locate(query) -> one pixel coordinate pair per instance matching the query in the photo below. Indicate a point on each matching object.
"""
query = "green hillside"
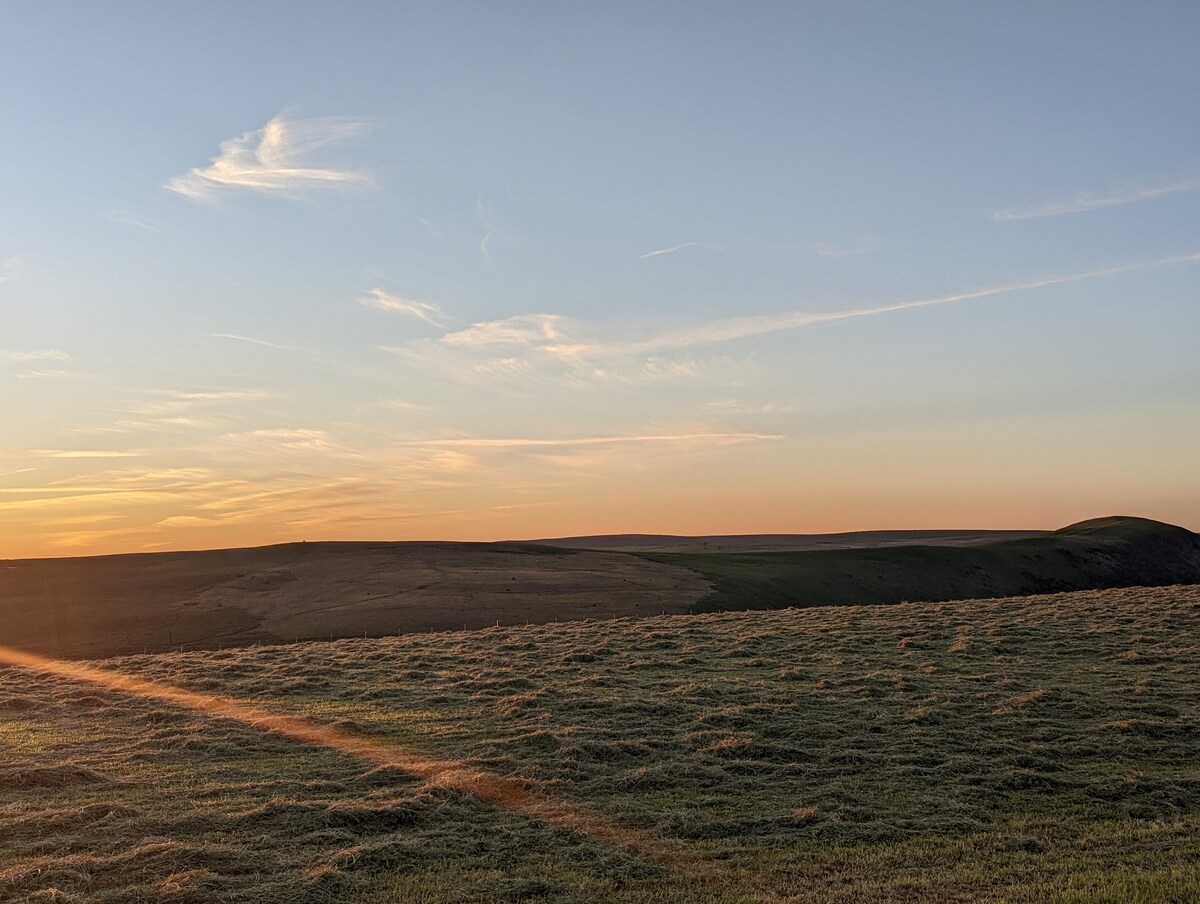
(1105, 552)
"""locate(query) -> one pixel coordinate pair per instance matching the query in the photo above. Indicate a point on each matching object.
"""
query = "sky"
(476, 271)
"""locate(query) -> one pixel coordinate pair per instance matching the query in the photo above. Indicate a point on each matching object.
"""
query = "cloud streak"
(66, 453)
(174, 409)
(637, 439)
(733, 328)
(428, 311)
(127, 218)
(266, 344)
(275, 160)
(9, 269)
(553, 349)
(53, 373)
(1082, 202)
(524, 329)
(37, 354)
(712, 246)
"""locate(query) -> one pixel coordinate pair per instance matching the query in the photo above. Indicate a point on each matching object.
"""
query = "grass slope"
(1106, 552)
(1034, 749)
(109, 605)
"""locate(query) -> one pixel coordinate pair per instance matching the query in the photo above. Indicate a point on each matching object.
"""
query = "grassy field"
(1108, 552)
(1035, 749)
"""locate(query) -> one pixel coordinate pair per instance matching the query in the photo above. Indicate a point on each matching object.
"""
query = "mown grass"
(1037, 749)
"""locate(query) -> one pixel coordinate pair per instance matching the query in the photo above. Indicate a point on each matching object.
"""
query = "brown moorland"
(99, 606)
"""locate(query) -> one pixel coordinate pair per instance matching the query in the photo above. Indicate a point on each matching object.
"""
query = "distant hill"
(1090, 555)
(862, 539)
(107, 605)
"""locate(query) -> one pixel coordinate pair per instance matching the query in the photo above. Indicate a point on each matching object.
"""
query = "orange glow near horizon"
(684, 485)
(695, 516)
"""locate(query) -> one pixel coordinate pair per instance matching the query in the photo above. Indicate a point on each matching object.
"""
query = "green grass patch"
(1093, 555)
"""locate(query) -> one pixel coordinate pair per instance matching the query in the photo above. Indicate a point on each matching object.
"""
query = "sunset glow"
(460, 274)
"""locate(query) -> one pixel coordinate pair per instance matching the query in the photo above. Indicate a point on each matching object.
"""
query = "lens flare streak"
(452, 774)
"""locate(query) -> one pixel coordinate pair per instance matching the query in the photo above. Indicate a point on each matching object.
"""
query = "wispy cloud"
(216, 395)
(428, 311)
(128, 478)
(712, 246)
(489, 221)
(733, 328)
(267, 344)
(326, 360)
(1081, 202)
(553, 349)
(524, 329)
(126, 218)
(542, 462)
(324, 480)
(40, 355)
(403, 405)
(51, 373)
(36, 354)
(737, 406)
(174, 409)
(636, 439)
(292, 437)
(276, 159)
(66, 453)
(10, 269)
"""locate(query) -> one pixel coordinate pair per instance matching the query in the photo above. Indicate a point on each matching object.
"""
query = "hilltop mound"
(1090, 555)
(1126, 526)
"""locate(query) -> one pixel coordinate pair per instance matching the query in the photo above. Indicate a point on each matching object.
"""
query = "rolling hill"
(1105, 552)
(107, 605)
(91, 607)
(861, 539)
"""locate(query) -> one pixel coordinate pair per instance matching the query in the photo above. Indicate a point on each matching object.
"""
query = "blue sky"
(274, 272)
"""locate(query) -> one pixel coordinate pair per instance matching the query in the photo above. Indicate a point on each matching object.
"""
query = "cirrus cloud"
(550, 348)
(277, 159)
(428, 311)
(1085, 201)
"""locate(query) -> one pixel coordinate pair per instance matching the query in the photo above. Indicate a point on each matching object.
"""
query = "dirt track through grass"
(1019, 750)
